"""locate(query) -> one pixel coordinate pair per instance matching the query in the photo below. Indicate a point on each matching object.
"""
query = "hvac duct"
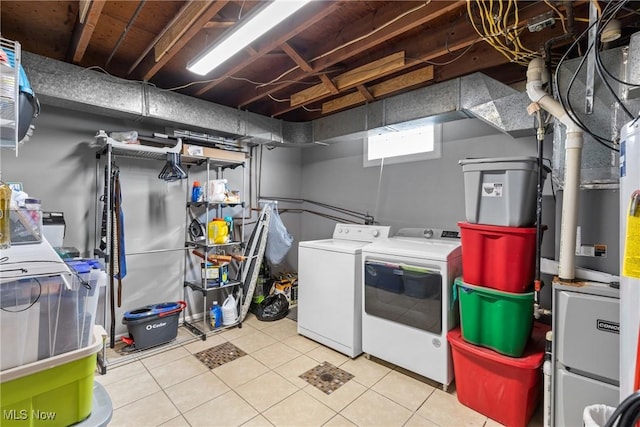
(61, 84)
(599, 167)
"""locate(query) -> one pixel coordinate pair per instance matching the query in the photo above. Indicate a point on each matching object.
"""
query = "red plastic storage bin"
(501, 258)
(503, 388)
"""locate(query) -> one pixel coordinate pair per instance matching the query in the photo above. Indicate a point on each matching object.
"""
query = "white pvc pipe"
(546, 416)
(573, 154)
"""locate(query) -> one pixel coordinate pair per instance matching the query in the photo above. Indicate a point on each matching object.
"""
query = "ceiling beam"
(179, 27)
(205, 17)
(365, 93)
(83, 31)
(328, 84)
(433, 48)
(314, 12)
(295, 56)
(402, 82)
(346, 48)
(158, 37)
(83, 8)
(219, 24)
(304, 65)
(352, 78)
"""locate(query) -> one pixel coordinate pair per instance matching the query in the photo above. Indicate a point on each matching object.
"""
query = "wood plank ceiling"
(329, 56)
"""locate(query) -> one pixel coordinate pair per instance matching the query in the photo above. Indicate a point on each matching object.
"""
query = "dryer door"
(406, 294)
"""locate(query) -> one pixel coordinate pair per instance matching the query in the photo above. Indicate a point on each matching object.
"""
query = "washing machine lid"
(440, 250)
(335, 245)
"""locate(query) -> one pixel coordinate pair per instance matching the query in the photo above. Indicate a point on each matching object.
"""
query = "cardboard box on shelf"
(212, 153)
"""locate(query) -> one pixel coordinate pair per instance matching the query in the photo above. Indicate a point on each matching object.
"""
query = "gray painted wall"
(58, 166)
(416, 194)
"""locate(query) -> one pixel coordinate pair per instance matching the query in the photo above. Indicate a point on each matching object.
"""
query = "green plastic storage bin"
(498, 320)
(57, 391)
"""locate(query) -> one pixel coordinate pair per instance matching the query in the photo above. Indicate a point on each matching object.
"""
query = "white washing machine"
(408, 305)
(329, 278)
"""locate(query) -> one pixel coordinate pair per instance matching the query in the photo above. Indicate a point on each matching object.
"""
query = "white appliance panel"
(417, 248)
(329, 278)
(575, 392)
(586, 319)
(341, 246)
(419, 351)
(327, 302)
(629, 286)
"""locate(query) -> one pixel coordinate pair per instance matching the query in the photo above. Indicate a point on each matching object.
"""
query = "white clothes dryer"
(329, 280)
(408, 305)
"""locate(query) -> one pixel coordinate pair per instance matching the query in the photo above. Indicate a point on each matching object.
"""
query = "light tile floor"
(263, 388)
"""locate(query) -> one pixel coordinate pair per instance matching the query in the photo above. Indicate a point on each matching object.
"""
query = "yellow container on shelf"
(218, 231)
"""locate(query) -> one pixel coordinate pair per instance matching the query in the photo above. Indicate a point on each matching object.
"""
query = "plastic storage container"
(420, 282)
(501, 258)
(47, 316)
(503, 388)
(19, 322)
(55, 391)
(153, 324)
(501, 191)
(26, 224)
(498, 320)
(387, 277)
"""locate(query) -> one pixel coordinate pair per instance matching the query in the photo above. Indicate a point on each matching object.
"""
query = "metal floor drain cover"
(326, 377)
(219, 355)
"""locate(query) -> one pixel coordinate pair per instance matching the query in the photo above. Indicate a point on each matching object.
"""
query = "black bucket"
(153, 325)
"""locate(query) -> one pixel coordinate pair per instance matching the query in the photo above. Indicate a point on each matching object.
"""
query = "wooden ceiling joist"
(405, 81)
(295, 56)
(352, 78)
(314, 15)
(208, 15)
(304, 65)
(356, 31)
(84, 30)
(83, 8)
(216, 23)
(173, 34)
(365, 93)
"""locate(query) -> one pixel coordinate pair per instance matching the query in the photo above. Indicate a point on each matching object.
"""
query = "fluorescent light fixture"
(238, 38)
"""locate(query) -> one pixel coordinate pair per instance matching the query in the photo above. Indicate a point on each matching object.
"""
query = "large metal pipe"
(573, 154)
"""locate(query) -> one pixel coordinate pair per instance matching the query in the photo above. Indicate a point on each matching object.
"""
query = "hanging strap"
(119, 252)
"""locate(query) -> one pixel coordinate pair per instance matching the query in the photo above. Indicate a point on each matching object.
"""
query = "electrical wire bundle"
(627, 414)
(609, 12)
(496, 29)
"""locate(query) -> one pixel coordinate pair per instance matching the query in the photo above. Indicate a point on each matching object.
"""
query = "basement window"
(402, 143)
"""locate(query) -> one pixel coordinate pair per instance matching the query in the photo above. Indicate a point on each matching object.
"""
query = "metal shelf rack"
(9, 94)
(199, 326)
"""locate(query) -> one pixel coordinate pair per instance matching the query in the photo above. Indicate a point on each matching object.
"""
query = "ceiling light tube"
(238, 38)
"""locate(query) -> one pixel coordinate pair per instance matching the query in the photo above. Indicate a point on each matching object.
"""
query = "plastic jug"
(229, 311)
(218, 231)
(196, 192)
(217, 191)
(216, 315)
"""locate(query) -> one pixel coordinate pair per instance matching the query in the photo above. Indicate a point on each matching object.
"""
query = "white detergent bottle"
(229, 311)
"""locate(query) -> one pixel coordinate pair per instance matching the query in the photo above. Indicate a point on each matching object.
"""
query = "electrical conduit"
(573, 153)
